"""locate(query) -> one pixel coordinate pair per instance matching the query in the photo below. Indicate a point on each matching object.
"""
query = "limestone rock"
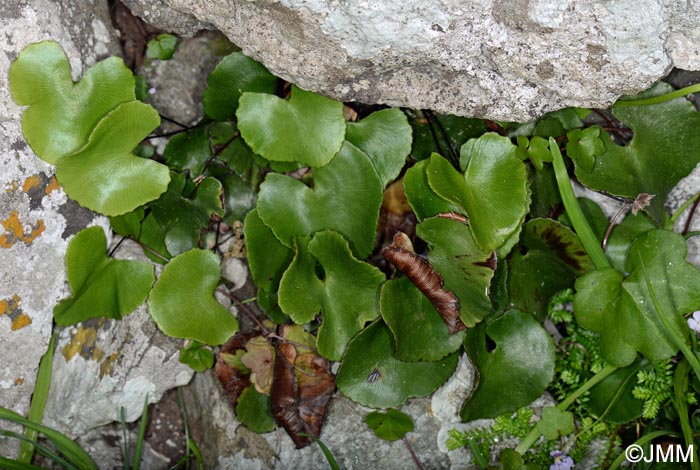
(36, 220)
(100, 365)
(231, 446)
(489, 58)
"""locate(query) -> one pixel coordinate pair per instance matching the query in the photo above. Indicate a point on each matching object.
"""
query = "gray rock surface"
(101, 365)
(36, 219)
(488, 58)
(231, 446)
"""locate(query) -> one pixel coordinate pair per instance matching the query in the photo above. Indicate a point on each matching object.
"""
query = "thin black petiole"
(184, 129)
(691, 213)
(453, 153)
(413, 454)
(173, 121)
(116, 247)
(436, 140)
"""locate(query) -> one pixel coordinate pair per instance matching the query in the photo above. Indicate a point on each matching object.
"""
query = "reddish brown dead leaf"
(301, 390)
(395, 215)
(400, 253)
(231, 378)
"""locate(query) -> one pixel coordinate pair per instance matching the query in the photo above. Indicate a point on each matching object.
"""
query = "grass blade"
(36, 408)
(581, 226)
(192, 448)
(126, 458)
(326, 451)
(9, 464)
(68, 447)
(142, 435)
(40, 448)
(680, 389)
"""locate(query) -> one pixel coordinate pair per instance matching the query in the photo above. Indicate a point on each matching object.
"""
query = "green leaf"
(129, 224)
(536, 149)
(385, 136)
(515, 372)
(549, 259)
(420, 334)
(58, 122)
(465, 269)
(177, 218)
(621, 308)
(101, 286)
(105, 175)
(546, 201)
(423, 200)
(612, 399)
(584, 146)
(141, 88)
(253, 411)
(267, 257)
(163, 47)
(239, 197)
(301, 292)
(390, 426)
(458, 129)
(347, 292)
(493, 190)
(662, 151)
(233, 76)
(346, 198)
(182, 302)
(512, 460)
(197, 357)
(372, 376)
(555, 423)
(557, 123)
(189, 150)
(308, 128)
(622, 236)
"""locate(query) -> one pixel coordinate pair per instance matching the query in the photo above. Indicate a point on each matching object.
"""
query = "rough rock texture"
(36, 219)
(229, 445)
(508, 60)
(177, 85)
(101, 365)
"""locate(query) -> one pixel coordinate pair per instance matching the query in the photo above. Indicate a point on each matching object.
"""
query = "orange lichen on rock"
(14, 231)
(31, 182)
(84, 343)
(10, 307)
(107, 366)
(52, 186)
(20, 322)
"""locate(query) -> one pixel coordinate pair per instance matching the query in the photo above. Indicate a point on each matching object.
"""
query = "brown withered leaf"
(301, 391)
(258, 359)
(419, 271)
(395, 215)
(233, 380)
